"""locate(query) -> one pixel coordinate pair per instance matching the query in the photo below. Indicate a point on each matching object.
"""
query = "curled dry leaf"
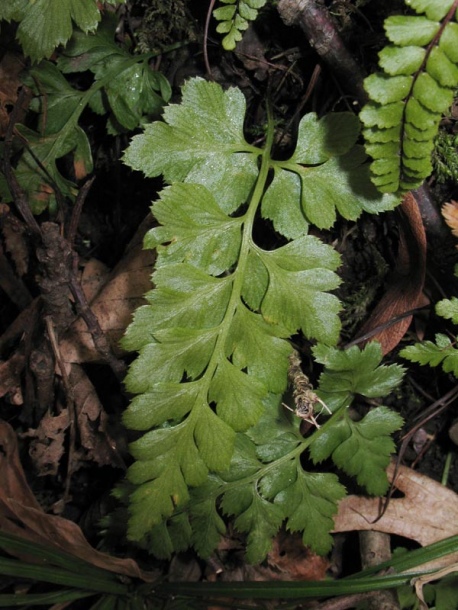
(21, 515)
(405, 285)
(427, 512)
(450, 214)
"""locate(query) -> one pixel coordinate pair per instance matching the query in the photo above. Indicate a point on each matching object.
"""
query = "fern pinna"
(213, 339)
(420, 73)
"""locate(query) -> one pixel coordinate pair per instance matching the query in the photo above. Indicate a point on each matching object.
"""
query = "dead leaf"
(10, 380)
(427, 513)
(294, 561)
(450, 214)
(48, 442)
(21, 515)
(11, 66)
(405, 286)
(114, 303)
(421, 581)
(14, 235)
(95, 441)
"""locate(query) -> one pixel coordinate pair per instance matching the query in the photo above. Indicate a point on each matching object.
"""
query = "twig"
(205, 43)
(19, 195)
(74, 221)
(98, 336)
(70, 404)
(321, 32)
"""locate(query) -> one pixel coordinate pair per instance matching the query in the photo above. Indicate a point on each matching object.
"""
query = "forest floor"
(71, 469)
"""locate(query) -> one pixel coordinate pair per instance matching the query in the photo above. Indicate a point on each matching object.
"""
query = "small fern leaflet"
(420, 72)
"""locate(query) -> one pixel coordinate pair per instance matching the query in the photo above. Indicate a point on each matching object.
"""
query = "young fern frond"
(407, 99)
(234, 19)
(213, 339)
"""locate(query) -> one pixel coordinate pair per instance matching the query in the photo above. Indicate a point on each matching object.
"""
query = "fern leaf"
(234, 18)
(354, 371)
(361, 449)
(443, 351)
(213, 338)
(448, 309)
(420, 72)
(45, 24)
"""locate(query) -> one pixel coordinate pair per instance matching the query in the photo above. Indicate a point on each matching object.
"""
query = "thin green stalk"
(59, 576)
(42, 599)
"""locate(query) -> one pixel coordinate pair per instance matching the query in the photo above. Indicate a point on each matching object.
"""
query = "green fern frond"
(407, 99)
(213, 339)
(234, 19)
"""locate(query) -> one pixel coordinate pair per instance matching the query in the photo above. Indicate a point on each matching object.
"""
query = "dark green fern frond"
(234, 19)
(420, 72)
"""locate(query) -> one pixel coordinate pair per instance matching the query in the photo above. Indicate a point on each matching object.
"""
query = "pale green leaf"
(202, 141)
(310, 504)
(164, 401)
(48, 23)
(255, 3)
(448, 42)
(401, 60)
(246, 12)
(224, 13)
(183, 351)
(232, 38)
(320, 139)
(261, 520)
(238, 396)
(374, 135)
(404, 30)
(386, 90)
(244, 461)
(199, 231)
(444, 71)
(281, 204)
(354, 371)
(419, 116)
(252, 336)
(296, 299)
(215, 440)
(448, 309)
(434, 9)
(154, 500)
(431, 95)
(367, 450)
(383, 117)
(13, 10)
(419, 135)
(208, 526)
(256, 280)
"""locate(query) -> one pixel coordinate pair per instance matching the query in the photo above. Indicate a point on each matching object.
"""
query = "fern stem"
(239, 272)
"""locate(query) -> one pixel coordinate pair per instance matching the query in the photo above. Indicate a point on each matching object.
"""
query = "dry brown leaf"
(450, 214)
(95, 441)
(427, 513)
(48, 442)
(10, 378)
(114, 303)
(294, 561)
(14, 234)
(21, 515)
(11, 67)
(405, 287)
